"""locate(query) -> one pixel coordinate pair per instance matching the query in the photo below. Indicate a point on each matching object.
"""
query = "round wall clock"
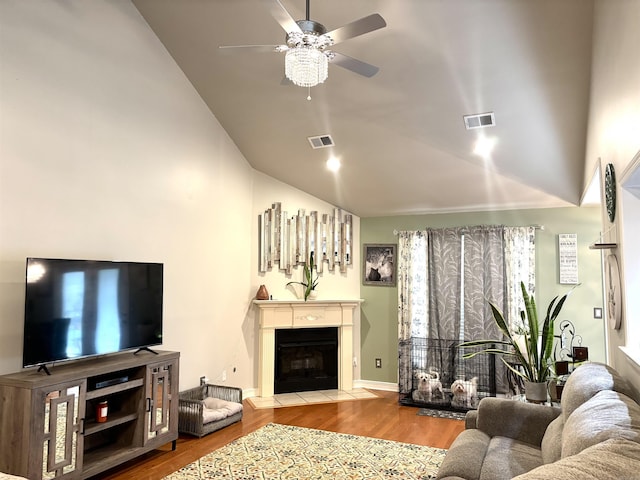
(614, 298)
(610, 191)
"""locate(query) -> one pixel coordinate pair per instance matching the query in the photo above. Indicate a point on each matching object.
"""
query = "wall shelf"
(602, 246)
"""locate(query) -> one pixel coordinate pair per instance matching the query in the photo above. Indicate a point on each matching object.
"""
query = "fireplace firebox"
(306, 359)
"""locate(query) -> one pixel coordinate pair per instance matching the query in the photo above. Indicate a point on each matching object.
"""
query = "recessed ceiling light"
(333, 164)
(484, 146)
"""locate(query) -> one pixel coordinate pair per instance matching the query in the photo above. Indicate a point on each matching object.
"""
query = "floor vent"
(321, 141)
(480, 120)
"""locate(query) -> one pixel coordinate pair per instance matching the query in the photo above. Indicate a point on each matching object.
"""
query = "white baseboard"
(249, 392)
(373, 385)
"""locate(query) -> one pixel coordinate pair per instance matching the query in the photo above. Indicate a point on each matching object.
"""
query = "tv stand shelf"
(102, 392)
(48, 425)
(115, 419)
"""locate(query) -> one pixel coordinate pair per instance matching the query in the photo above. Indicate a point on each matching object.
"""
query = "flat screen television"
(79, 308)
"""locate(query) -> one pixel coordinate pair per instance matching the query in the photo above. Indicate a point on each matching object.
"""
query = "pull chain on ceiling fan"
(307, 54)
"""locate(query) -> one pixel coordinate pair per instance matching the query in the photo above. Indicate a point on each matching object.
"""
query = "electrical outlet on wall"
(378, 363)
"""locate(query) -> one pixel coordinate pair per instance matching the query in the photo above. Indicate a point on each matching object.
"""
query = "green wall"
(379, 328)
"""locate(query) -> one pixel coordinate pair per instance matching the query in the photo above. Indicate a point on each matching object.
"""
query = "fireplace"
(332, 315)
(306, 359)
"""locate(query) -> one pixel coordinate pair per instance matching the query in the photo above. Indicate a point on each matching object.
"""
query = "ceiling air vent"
(321, 141)
(480, 120)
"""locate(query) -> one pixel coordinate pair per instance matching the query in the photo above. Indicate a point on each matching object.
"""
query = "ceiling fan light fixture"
(307, 53)
(306, 66)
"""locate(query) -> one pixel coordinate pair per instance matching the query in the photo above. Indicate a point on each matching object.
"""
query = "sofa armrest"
(471, 419)
(526, 422)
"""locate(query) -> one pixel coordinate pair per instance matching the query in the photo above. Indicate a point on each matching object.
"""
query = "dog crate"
(438, 368)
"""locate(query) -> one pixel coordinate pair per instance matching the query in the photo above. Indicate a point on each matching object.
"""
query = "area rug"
(286, 452)
(431, 412)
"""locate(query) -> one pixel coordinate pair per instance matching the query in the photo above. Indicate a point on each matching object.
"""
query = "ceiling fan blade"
(252, 48)
(357, 27)
(281, 16)
(354, 65)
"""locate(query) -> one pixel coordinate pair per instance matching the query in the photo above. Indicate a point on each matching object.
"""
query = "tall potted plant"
(309, 283)
(532, 344)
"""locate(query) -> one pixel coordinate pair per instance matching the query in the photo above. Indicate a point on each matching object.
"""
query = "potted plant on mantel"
(309, 282)
(531, 345)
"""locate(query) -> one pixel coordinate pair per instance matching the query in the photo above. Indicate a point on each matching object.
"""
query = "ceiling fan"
(307, 49)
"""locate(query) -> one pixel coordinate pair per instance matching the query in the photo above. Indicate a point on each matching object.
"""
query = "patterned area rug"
(430, 412)
(286, 452)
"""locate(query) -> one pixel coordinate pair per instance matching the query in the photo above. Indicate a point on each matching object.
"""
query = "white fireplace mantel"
(277, 314)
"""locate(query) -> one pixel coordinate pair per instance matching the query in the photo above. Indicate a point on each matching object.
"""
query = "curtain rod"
(537, 227)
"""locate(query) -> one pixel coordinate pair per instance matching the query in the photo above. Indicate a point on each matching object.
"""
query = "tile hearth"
(311, 397)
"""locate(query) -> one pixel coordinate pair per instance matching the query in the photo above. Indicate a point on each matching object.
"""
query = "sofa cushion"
(607, 415)
(589, 379)
(507, 458)
(614, 459)
(523, 421)
(552, 441)
(215, 409)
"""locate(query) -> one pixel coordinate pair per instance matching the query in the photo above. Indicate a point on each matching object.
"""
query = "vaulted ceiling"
(400, 134)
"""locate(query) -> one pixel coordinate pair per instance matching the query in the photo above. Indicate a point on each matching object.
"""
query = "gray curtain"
(444, 283)
(484, 280)
(466, 266)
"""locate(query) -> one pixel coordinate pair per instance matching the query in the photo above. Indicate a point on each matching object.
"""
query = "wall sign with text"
(568, 258)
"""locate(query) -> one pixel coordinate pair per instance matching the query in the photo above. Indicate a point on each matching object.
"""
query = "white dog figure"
(435, 384)
(429, 386)
(465, 393)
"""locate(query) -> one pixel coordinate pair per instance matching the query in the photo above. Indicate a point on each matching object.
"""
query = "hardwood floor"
(380, 418)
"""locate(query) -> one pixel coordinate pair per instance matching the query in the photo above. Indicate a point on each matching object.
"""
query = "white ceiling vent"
(321, 141)
(479, 120)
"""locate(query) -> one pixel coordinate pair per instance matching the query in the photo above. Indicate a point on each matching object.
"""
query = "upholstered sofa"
(593, 435)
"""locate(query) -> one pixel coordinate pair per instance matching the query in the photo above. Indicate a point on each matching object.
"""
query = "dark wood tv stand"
(48, 423)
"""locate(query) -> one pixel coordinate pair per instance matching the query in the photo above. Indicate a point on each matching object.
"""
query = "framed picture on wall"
(379, 264)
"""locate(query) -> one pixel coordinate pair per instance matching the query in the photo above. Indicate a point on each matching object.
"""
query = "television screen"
(77, 308)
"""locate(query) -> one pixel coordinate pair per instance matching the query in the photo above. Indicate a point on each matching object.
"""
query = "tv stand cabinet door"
(59, 422)
(161, 416)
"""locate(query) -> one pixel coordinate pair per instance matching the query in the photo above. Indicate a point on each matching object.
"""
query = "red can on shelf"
(102, 409)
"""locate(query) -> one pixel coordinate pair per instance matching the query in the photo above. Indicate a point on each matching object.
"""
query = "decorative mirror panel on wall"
(289, 241)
